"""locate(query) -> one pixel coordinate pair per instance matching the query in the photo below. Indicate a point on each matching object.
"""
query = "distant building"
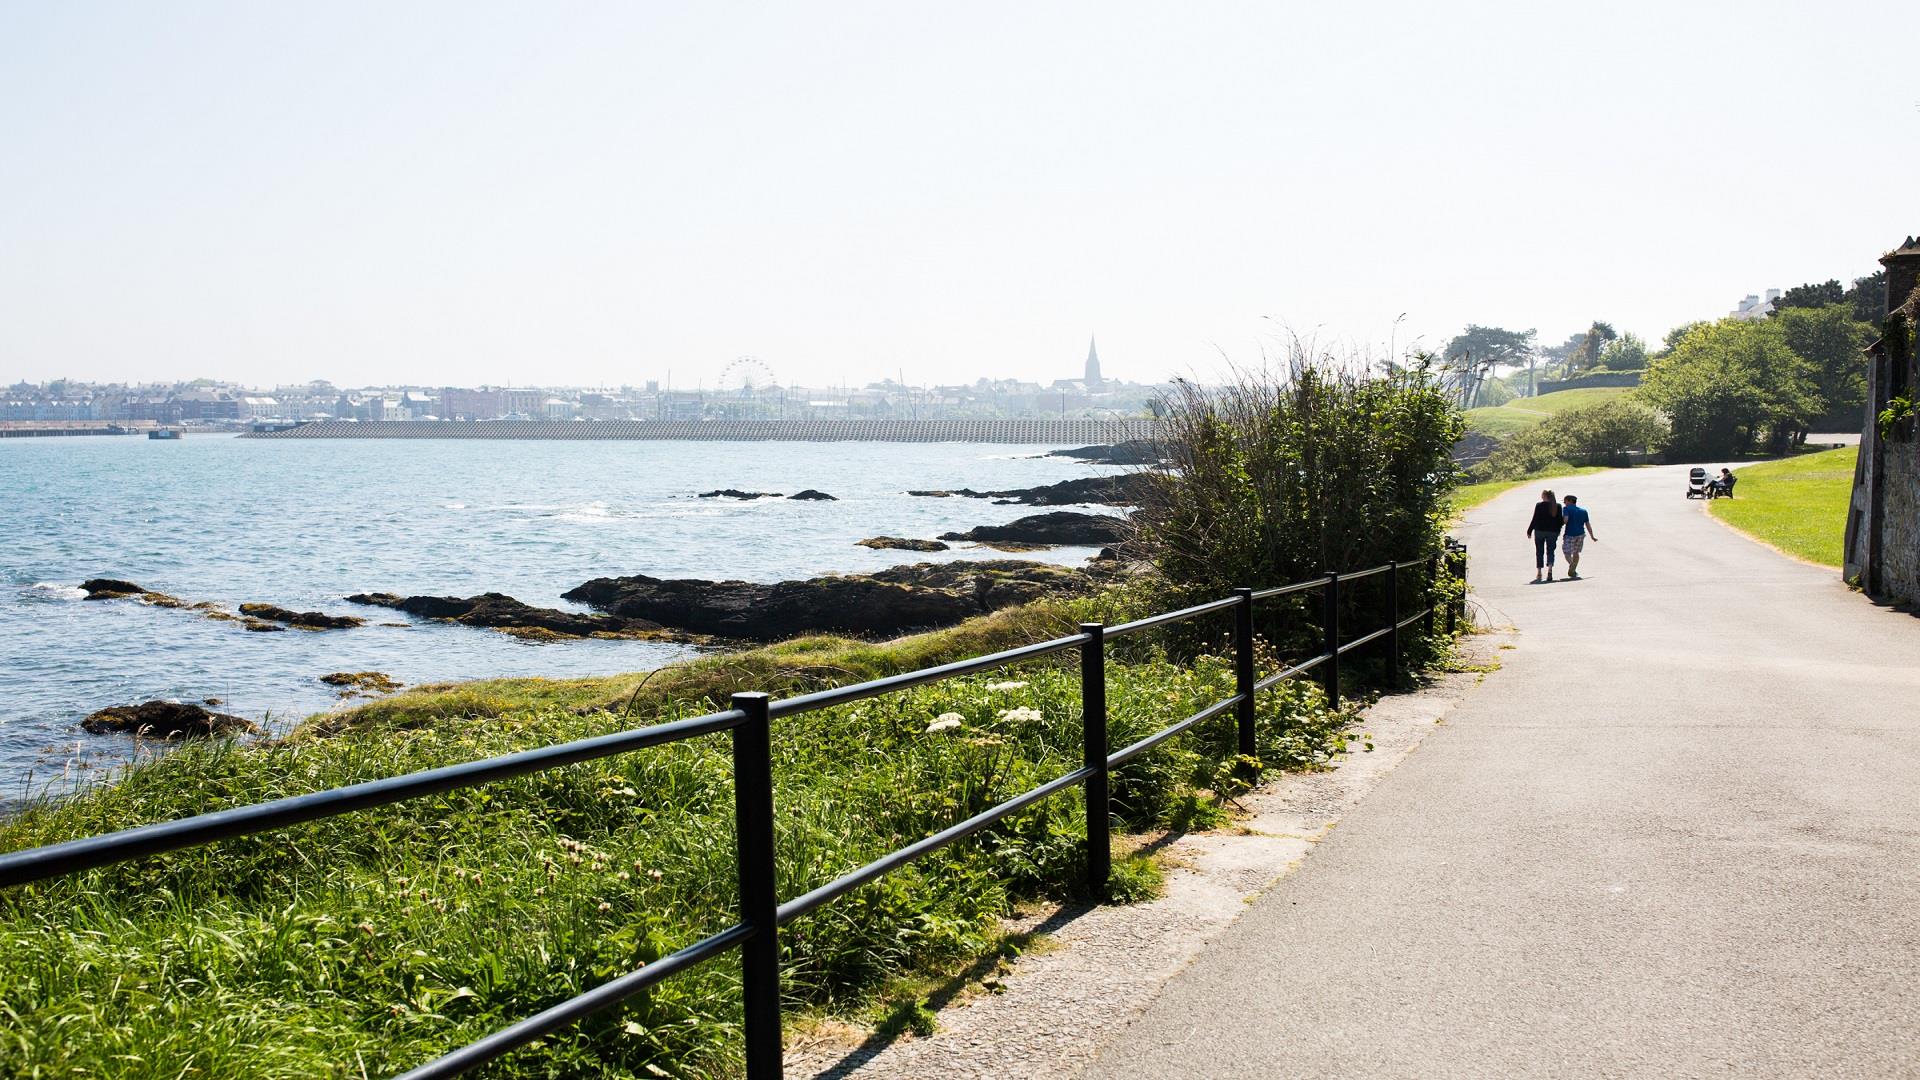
(1753, 307)
(1093, 367)
(1883, 520)
(259, 408)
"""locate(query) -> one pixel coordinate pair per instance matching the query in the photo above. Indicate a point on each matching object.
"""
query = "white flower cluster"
(1021, 715)
(1003, 687)
(946, 721)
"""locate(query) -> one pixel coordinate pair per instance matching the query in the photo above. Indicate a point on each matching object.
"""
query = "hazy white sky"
(468, 192)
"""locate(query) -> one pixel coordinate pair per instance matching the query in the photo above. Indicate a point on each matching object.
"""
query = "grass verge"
(1797, 504)
(368, 944)
(1522, 413)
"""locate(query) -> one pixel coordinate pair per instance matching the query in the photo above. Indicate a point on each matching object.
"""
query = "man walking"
(1578, 527)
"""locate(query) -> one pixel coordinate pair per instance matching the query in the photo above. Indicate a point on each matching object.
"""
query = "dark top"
(1546, 518)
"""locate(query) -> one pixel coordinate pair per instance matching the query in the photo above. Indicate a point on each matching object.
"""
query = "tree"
(1675, 335)
(1810, 295)
(1869, 298)
(1833, 343)
(1728, 385)
(1625, 353)
(1480, 351)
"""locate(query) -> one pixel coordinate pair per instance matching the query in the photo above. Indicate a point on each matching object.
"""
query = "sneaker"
(1549, 575)
(1572, 576)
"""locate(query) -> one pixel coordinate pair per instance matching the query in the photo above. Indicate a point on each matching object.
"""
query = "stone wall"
(1900, 523)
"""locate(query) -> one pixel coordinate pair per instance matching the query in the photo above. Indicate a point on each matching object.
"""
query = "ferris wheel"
(746, 374)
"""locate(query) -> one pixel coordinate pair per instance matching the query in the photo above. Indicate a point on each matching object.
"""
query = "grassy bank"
(368, 944)
(1797, 504)
(1468, 496)
(1523, 413)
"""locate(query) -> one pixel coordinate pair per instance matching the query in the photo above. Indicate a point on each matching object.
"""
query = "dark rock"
(305, 620)
(166, 720)
(496, 611)
(1127, 489)
(901, 543)
(1132, 452)
(736, 493)
(892, 601)
(810, 495)
(106, 588)
(1059, 527)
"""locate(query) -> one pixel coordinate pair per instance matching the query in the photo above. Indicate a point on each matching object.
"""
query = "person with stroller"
(1723, 484)
(1548, 519)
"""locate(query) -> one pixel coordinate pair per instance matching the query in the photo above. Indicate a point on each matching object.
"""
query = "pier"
(1033, 431)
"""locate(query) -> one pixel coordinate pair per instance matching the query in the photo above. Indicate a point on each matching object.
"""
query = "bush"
(1601, 434)
(1604, 434)
(1276, 480)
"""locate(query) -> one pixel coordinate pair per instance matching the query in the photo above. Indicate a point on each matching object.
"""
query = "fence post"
(1460, 573)
(1393, 625)
(1330, 621)
(1093, 727)
(759, 898)
(1433, 597)
(1243, 670)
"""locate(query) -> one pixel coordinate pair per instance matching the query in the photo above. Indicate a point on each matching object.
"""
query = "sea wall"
(1061, 431)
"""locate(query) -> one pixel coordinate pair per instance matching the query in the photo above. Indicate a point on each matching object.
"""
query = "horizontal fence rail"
(749, 723)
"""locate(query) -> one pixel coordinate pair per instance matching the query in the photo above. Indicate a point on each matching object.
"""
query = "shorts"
(1572, 544)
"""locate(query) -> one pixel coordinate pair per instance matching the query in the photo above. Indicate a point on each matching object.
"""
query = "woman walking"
(1548, 520)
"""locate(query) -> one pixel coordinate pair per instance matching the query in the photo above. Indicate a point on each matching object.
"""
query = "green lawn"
(1523, 413)
(1468, 496)
(1798, 504)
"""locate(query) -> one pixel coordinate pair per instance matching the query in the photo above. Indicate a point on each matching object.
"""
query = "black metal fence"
(750, 721)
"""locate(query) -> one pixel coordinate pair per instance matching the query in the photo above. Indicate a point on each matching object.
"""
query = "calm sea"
(302, 524)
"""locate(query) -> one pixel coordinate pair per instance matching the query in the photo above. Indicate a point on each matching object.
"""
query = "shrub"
(1730, 385)
(1279, 479)
(1605, 433)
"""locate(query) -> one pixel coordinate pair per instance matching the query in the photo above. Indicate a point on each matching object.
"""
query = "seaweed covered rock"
(900, 543)
(166, 720)
(736, 493)
(368, 683)
(1058, 527)
(305, 620)
(813, 495)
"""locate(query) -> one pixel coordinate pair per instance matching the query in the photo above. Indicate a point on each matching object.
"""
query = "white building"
(1753, 307)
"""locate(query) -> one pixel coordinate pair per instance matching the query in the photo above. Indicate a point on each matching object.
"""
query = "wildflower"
(1021, 715)
(946, 721)
(365, 927)
(656, 874)
(1003, 687)
(604, 906)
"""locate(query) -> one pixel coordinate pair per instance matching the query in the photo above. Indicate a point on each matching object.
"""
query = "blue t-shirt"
(1576, 520)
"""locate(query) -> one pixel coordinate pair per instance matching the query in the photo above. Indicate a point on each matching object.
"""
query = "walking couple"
(1550, 518)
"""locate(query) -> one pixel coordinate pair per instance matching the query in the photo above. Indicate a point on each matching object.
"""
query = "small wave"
(57, 590)
(453, 506)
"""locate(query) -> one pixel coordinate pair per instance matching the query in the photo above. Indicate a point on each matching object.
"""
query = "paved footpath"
(1677, 834)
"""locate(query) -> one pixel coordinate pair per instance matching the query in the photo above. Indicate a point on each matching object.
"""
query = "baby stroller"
(1697, 485)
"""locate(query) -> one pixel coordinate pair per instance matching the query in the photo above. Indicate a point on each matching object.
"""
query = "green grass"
(370, 943)
(1468, 496)
(1523, 413)
(1798, 504)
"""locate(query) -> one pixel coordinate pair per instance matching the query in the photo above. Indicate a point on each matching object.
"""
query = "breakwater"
(1032, 431)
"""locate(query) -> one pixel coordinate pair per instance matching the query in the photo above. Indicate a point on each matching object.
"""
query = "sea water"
(303, 524)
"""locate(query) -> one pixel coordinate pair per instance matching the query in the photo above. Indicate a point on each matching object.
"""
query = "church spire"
(1093, 365)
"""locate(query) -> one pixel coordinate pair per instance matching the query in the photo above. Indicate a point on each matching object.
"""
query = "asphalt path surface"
(1677, 834)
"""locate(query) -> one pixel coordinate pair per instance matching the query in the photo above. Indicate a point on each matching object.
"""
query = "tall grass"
(366, 944)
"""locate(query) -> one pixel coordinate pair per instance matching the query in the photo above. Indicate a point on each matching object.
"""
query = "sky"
(604, 193)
